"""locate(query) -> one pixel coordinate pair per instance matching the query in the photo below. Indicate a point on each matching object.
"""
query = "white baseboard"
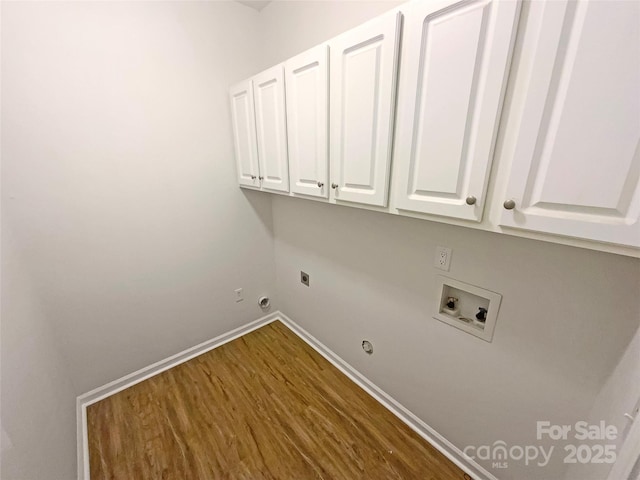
(111, 388)
(453, 453)
(444, 446)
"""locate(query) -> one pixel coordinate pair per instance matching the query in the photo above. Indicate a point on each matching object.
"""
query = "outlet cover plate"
(239, 297)
(442, 259)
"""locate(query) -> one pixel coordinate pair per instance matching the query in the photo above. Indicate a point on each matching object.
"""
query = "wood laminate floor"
(264, 406)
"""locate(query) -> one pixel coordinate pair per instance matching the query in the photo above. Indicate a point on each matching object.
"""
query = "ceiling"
(255, 4)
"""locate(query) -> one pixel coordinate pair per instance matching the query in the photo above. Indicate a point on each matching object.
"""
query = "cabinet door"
(271, 127)
(453, 75)
(363, 76)
(307, 87)
(576, 162)
(244, 133)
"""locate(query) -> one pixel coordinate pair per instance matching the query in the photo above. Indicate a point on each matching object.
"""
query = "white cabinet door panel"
(576, 166)
(244, 133)
(307, 87)
(363, 78)
(271, 129)
(453, 75)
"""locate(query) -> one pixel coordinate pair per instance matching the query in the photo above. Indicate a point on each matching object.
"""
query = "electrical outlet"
(442, 259)
(239, 296)
(304, 278)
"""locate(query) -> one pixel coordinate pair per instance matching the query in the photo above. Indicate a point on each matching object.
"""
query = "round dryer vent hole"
(367, 346)
(264, 302)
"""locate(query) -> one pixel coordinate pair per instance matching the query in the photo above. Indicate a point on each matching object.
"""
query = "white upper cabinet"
(271, 128)
(244, 133)
(307, 87)
(321, 125)
(363, 72)
(453, 76)
(576, 162)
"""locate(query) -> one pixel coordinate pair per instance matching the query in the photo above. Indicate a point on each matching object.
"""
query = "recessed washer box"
(469, 299)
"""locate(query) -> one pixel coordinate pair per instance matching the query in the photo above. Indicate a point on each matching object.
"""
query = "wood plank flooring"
(264, 406)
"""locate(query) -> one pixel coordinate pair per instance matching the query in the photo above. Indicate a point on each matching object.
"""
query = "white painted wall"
(38, 417)
(567, 314)
(288, 27)
(124, 234)
(556, 340)
(119, 190)
(620, 394)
